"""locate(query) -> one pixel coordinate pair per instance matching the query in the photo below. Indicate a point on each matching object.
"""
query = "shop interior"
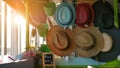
(59, 33)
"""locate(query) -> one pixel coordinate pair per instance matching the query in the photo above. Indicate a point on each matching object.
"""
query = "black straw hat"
(104, 19)
(104, 14)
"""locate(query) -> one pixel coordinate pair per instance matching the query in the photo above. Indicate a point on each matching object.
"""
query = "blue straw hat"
(65, 14)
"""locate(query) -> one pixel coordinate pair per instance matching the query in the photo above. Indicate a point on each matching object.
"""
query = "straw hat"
(108, 42)
(65, 14)
(115, 50)
(61, 41)
(50, 8)
(42, 29)
(89, 41)
(107, 26)
(104, 14)
(84, 15)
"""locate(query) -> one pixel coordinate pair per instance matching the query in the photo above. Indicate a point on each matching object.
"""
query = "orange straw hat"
(61, 41)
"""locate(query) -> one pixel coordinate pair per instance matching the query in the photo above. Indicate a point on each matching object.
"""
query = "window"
(13, 32)
(12, 36)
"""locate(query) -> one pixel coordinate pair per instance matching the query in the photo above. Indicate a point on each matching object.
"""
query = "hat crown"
(60, 40)
(93, 47)
(104, 14)
(64, 15)
(105, 22)
(84, 15)
(86, 40)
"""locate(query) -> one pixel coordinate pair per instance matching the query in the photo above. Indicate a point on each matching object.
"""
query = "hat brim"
(99, 41)
(115, 51)
(71, 39)
(107, 42)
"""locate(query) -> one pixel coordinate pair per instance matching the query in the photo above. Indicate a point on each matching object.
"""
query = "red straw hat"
(84, 15)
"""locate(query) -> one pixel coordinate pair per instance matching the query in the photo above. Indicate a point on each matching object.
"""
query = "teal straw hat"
(65, 14)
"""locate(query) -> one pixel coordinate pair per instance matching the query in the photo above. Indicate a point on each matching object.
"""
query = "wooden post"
(27, 25)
